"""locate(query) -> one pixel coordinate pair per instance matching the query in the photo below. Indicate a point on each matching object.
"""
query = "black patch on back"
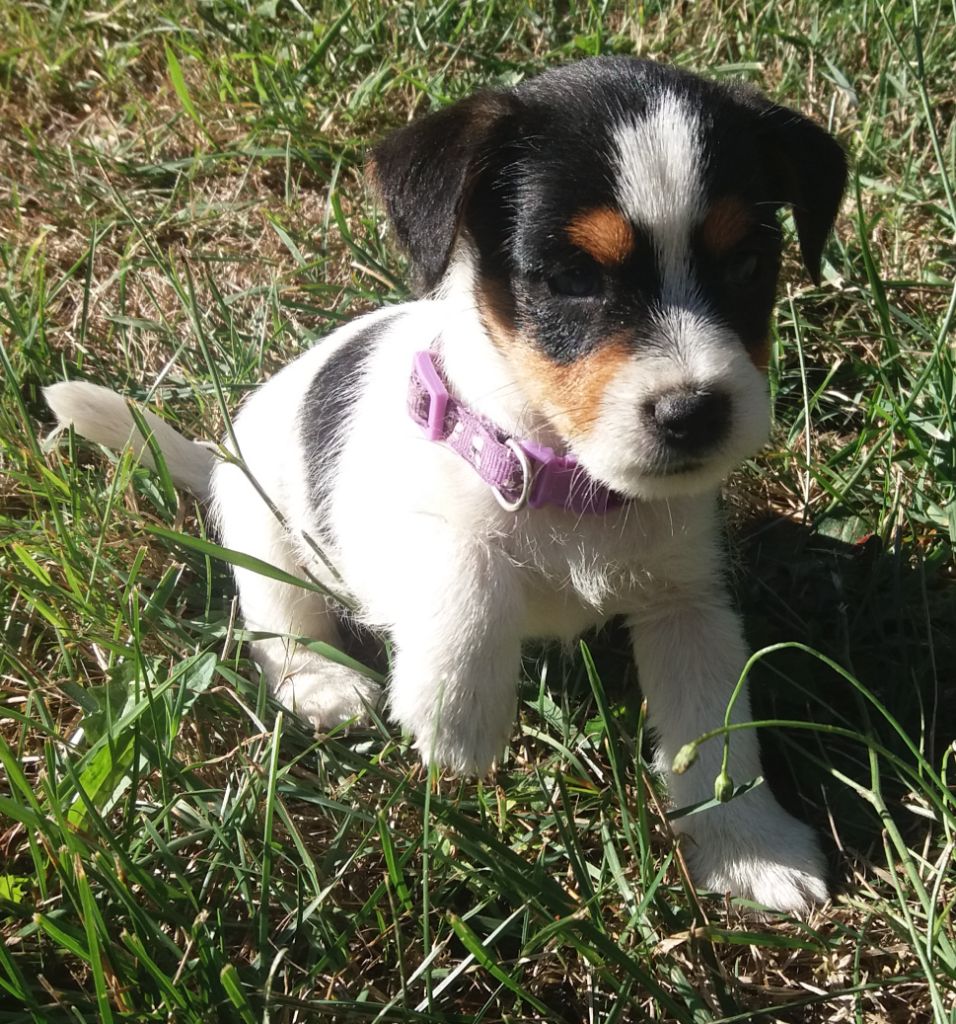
(327, 409)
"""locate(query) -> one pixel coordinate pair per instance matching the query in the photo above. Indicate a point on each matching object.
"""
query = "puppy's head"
(620, 220)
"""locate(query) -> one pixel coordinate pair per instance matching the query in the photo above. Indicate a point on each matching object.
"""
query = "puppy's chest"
(562, 608)
(577, 575)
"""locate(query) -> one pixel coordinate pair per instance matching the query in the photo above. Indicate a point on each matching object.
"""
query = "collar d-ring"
(527, 479)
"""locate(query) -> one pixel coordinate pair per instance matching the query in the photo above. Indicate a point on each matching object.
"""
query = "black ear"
(425, 172)
(809, 168)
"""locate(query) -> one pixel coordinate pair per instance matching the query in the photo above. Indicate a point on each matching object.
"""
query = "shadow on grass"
(886, 616)
(889, 618)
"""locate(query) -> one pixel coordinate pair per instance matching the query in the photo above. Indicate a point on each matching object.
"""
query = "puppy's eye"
(743, 269)
(576, 283)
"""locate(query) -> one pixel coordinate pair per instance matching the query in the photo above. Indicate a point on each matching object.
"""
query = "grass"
(181, 212)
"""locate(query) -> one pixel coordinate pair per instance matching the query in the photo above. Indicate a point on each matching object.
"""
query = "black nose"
(690, 421)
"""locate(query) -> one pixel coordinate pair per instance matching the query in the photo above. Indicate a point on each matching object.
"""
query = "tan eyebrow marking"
(603, 233)
(727, 222)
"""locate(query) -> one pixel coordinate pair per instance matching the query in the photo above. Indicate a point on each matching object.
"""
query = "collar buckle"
(428, 403)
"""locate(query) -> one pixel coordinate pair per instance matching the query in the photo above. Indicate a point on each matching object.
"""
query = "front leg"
(457, 629)
(690, 652)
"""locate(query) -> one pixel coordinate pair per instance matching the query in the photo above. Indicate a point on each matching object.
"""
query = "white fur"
(426, 553)
(659, 158)
(693, 353)
(103, 416)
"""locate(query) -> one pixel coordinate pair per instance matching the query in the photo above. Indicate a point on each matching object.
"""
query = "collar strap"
(519, 473)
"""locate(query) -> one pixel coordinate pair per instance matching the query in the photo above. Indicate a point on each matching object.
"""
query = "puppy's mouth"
(673, 467)
(671, 477)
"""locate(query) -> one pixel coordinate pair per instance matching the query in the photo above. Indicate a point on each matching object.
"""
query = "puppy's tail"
(103, 416)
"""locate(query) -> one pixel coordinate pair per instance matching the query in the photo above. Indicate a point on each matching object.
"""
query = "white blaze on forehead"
(659, 163)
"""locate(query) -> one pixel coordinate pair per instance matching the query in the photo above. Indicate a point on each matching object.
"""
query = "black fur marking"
(765, 155)
(511, 168)
(425, 174)
(327, 408)
(744, 306)
(810, 172)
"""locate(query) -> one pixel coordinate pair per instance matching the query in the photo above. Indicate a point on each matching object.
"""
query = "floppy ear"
(808, 173)
(424, 174)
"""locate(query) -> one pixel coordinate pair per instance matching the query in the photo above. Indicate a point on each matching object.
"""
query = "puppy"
(537, 445)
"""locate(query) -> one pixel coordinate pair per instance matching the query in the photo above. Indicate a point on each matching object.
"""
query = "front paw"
(460, 751)
(760, 853)
(329, 695)
(465, 738)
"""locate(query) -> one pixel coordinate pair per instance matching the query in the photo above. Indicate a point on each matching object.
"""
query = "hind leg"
(312, 686)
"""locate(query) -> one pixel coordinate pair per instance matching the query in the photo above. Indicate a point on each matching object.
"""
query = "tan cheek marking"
(760, 354)
(496, 307)
(603, 234)
(571, 394)
(727, 222)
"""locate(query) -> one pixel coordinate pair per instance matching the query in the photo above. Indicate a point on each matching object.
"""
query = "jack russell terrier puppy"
(538, 443)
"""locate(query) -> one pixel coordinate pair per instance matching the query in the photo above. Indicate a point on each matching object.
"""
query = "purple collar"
(519, 473)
